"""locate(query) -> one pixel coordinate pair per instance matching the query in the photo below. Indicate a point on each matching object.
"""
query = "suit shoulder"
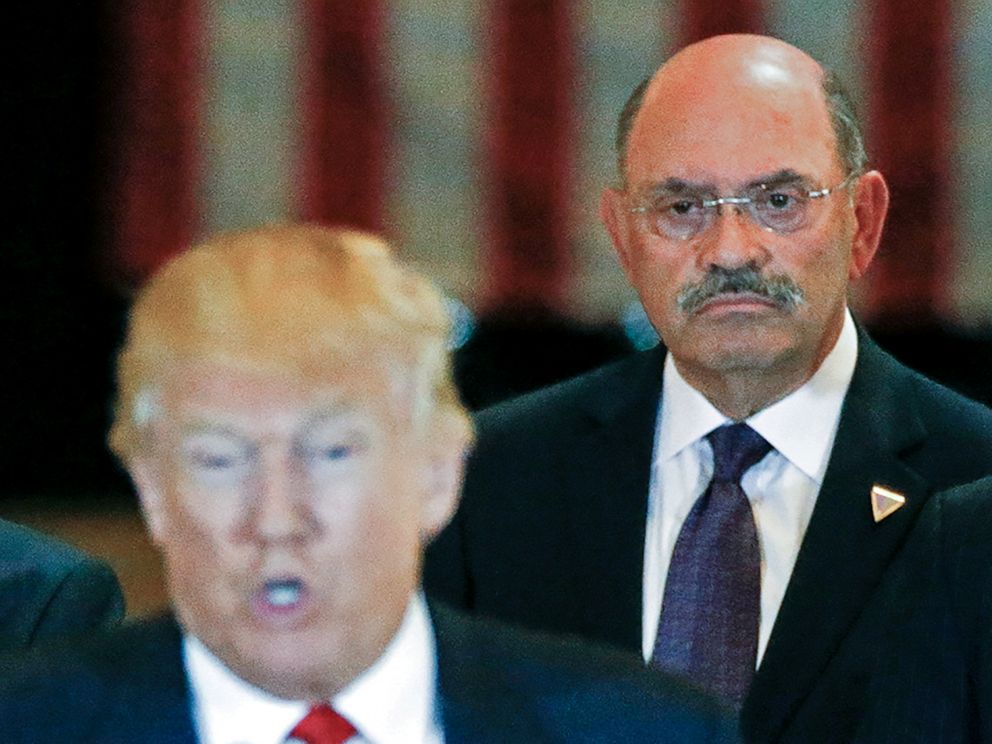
(19, 543)
(544, 408)
(107, 683)
(969, 501)
(967, 412)
(954, 432)
(965, 516)
(112, 653)
(939, 404)
(52, 589)
(579, 685)
(959, 431)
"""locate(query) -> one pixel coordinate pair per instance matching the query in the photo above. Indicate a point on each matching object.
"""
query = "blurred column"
(703, 18)
(345, 137)
(527, 260)
(910, 95)
(153, 172)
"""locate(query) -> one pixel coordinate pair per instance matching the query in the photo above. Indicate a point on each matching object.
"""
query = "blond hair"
(286, 299)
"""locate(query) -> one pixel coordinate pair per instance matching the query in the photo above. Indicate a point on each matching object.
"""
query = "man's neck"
(740, 395)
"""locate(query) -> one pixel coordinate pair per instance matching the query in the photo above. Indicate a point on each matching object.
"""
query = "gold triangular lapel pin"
(885, 502)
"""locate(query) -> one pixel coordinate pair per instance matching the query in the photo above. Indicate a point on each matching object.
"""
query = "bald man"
(728, 508)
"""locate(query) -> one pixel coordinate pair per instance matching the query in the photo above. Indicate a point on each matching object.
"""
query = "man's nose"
(280, 510)
(733, 240)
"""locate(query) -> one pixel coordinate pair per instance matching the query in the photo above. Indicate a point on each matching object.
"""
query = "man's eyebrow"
(196, 426)
(786, 176)
(335, 412)
(679, 186)
(682, 186)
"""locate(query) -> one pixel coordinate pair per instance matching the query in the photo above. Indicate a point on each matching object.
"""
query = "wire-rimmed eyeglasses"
(783, 208)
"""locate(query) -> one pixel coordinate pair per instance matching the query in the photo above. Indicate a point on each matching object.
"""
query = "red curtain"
(527, 259)
(344, 111)
(910, 84)
(153, 176)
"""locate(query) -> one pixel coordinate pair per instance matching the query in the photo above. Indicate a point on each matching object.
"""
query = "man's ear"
(147, 482)
(613, 214)
(445, 470)
(871, 204)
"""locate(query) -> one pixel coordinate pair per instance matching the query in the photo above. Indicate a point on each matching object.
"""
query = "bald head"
(713, 78)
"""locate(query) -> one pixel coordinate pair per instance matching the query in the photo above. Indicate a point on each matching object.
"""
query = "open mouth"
(283, 592)
(281, 599)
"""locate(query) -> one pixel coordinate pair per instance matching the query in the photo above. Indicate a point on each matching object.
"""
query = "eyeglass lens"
(781, 209)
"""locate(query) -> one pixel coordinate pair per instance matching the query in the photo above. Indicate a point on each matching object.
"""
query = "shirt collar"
(228, 709)
(801, 426)
(391, 702)
(394, 700)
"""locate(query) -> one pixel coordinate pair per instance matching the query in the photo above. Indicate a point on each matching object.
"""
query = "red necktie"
(322, 725)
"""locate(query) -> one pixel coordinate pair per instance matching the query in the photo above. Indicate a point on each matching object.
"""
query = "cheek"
(369, 517)
(201, 572)
(657, 279)
(197, 533)
(824, 272)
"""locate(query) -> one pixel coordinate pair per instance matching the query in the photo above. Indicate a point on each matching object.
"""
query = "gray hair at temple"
(840, 107)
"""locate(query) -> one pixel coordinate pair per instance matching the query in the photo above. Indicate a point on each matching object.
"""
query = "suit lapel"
(844, 552)
(606, 473)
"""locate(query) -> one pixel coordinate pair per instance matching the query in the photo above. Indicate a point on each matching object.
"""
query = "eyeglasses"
(779, 208)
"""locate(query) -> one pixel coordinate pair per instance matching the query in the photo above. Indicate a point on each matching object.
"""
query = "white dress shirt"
(782, 488)
(392, 702)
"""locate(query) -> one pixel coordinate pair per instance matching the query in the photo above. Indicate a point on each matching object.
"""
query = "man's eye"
(683, 206)
(677, 207)
(215, 460)
(781, 199)
(331, 453)
(335, 452)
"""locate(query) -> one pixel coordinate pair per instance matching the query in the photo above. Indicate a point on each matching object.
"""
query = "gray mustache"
(783, 292)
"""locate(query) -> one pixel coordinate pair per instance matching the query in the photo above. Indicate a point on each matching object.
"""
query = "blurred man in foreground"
(287, 414)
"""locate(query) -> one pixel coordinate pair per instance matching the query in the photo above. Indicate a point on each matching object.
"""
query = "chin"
(744, 350)
(300, 674)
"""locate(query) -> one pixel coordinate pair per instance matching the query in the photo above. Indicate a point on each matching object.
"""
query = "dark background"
(60, 319)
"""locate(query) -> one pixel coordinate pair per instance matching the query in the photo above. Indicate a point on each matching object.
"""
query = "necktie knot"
(735, 449)
(322, 725)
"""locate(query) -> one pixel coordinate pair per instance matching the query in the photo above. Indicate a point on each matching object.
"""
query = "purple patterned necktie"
(708, 629)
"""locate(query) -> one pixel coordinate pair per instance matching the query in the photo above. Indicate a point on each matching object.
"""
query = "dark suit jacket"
(933, 682)
(50, 590)
(495, 685)
(550, 533)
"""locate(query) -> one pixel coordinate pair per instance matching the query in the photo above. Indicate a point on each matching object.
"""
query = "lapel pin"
(885, 502)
